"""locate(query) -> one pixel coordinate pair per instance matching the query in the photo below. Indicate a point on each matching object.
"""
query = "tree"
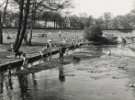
(55, 17)
(5, 11)
(1, 36)
(2, 20)
(33, 14)
(122, 22)
(31, 22)
(107, 19)
(24, 8)
(93, 33)
(90, 21)
(100, 22)
(23, 17)
(78, 22)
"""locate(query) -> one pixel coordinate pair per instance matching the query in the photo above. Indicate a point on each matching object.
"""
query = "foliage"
(93, 32)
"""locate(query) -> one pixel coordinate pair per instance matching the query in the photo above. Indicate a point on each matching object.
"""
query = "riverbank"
(9, 59)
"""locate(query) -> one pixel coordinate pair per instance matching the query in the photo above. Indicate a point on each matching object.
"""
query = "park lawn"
(38, 42)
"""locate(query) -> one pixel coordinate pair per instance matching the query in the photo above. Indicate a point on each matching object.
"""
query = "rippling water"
(89, 74)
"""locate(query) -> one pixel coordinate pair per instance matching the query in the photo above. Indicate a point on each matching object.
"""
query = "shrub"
(93, 33)
(125, 30)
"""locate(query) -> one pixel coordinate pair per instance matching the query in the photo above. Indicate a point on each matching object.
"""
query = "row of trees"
(25, 13)
(107, 21)
(45, 17)
(56, 18)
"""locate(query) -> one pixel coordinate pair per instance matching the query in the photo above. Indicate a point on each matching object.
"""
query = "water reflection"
(1, 81)
(10, 79)
(61, 74)
(34, 80)
(55, 84)
(23, 83)
(6, 79)
(61, 69)
(91, 51)
(25, 86)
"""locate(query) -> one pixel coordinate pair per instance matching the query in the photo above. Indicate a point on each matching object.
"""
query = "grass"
(37, 41)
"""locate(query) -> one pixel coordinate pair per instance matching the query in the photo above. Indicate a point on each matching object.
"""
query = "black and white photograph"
(67, 49)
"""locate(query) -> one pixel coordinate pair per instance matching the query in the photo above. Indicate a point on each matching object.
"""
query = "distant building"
(53, 1)
(47, 24)
(67, 22)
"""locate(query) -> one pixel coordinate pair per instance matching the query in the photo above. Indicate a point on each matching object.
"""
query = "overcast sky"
(98, 7)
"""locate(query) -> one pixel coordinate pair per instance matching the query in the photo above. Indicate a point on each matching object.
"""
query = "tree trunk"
(4, 12)
(32, 21)
(30, 35)
(21, 8)
(1, 35)
(2, 20)
(22, 31)
(26, 38)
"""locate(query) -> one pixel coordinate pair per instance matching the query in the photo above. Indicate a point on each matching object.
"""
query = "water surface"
(89, 74)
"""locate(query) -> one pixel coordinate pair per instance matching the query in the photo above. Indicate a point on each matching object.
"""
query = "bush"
(93, 33)
(125, 30)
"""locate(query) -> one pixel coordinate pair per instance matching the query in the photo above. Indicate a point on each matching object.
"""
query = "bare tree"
(41, 7)
(25, 8)
(33, 15)
(5, 11)
(23, 17)
(2, 19)
(1, 35)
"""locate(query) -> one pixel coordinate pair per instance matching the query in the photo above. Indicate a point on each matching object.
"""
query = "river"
(88, 73)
